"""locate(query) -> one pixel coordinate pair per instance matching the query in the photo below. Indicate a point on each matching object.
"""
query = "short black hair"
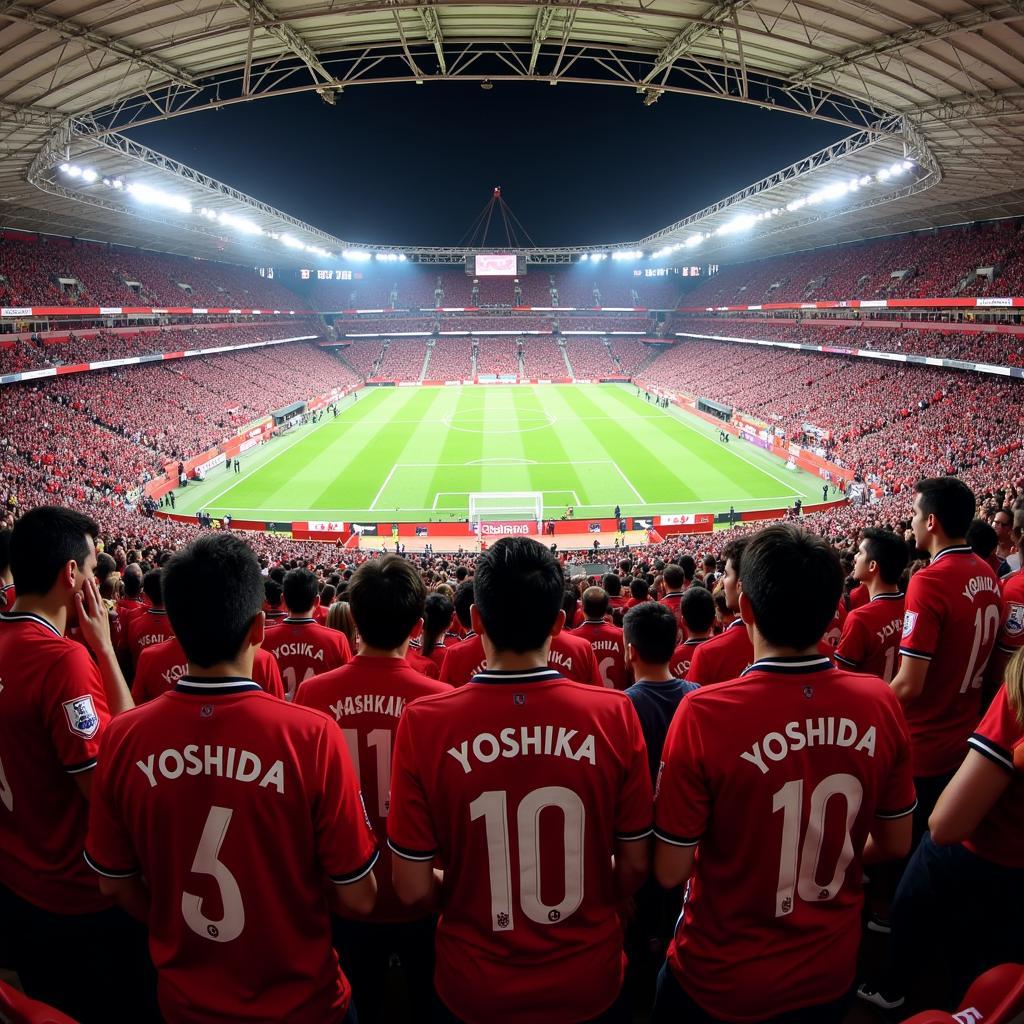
(300, 590)
(639, 589)
(595, 603)
(689, 566)
(463, 602)
(733, 552)
(437, 615)
(213, 589)
(950, 500)
(652, 629)
(697, 609)
(43, 541)
(387, 596)
(612, 584)
(982, 538)
(518, 591)
(890, 552)
(105, 565)
(152, 586)
(674, 578)
(570, 602)
(272, 592)
(132, 584)
(793, 581)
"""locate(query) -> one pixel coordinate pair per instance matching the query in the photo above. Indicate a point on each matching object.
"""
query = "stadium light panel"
(64, 168)
(356, 254)
(291, 242)
(89, 175)
(157, 197)
(239, 223)
(74, 171)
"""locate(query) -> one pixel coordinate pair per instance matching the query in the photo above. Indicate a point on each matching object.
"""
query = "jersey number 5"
(207, 862)
(492, 806)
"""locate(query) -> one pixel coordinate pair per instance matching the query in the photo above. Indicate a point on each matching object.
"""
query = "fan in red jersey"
(152, 625)
(612, 585)
(678, 579)
(7, 592)
(698, 611)
(220, 813)
(871, 634)
(525, 786)
(605, 640)
(130, 605)
(728, 654)
(779, 777)
(950, 627)
(162, 665)
(961, 898)
(300, 645)
(55, 708)
(273, 600)
(366, 698)
(435, 637)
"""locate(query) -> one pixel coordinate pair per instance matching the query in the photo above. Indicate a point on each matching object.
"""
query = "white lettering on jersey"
(979, 584)
(369, 704)
(813, 732)
(516, 742)
(224, 762)
(299, 651)
(889, 629)
(558, 658)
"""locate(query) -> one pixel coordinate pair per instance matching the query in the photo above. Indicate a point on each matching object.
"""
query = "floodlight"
(89, 175)
(74, 171)
(65, 168)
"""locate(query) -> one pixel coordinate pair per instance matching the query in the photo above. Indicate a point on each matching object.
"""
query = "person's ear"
(476, 622)
(746, 610)
(559, 623)
(257, 630)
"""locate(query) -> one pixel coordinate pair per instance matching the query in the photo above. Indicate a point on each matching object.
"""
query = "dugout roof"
(940, 82)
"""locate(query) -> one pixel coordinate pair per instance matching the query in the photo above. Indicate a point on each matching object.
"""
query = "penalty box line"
(466, 494)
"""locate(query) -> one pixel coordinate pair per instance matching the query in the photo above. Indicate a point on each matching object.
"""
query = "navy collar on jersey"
(791, 664)
(957, 549)
(469, 635)
(898, 596)
(693, 641)
(674, 593)
(305, 620)
(215, 685)
(30, 617)
(734, 624)
(517, 675)
(156, 611)
(593, 622)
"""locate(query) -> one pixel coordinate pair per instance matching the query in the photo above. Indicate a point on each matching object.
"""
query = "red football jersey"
(871, 637)
(952, 619)
(520, 783)
(778, 777)
(127, 609)
(570, 655)
(682, 656)
(1000, 738)
(1011, 636)
(609, 647)
(303, 649)
(53, 711)
(426, 666)
(145, 629)
(723, 657)
(366, 698)
(835, 628)
(236, 807)
(858, 597)
(162, 665)
(672, 600)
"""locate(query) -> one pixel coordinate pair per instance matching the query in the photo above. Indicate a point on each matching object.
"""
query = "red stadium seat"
(17, 1008)
(997, 997)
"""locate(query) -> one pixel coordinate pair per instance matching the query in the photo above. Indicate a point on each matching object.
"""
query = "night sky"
(407, 164)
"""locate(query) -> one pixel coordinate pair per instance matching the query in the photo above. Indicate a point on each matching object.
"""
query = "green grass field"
(417, 453)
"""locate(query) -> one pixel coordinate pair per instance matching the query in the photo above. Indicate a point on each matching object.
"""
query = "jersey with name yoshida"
(871, 637)
(144, 629)
(609, 649)
(569, 655)
(952, 620)
(723, 657)
(1011, 636)
(236, 807)
(520, 783)
(778, 776)
(303, 649)
(1000, 737)
(682, 656)
(366, 698)
(162, 665)
(53, 711)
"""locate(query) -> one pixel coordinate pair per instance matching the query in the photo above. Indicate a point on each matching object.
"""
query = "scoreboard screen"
(502, 264)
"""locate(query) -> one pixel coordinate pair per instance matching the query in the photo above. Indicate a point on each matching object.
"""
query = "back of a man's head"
(889, 551)
(612, 584)
(982, 538)
(463, 602)
(132, 584)
(273, 592)
(300, 590)
(213, 589)
(518, 591)
(697, 609)
(152, 586)
(595, 603)
(674, 578)
(651, 628)
(950, 500)
(43, 541)
(689, 566)
(387, 597)
(639, 590)
(793, 581)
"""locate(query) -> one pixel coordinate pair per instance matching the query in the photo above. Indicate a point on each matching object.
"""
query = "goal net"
(503, 506)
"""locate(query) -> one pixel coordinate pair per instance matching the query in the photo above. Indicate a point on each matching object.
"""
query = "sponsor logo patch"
(82, 718)
(1014, 620)
(909, 621)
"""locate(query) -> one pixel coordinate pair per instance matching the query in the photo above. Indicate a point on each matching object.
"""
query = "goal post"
(505, 506)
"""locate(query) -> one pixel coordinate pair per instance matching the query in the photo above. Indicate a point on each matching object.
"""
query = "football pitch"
(416, 454)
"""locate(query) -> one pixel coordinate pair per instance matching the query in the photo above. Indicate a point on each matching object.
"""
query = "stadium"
(713, 349)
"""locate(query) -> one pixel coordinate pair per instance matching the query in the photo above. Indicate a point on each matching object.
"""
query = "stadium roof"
(938, 83)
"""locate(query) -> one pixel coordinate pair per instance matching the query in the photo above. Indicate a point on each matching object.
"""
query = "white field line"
(639, 496)
(387, 480)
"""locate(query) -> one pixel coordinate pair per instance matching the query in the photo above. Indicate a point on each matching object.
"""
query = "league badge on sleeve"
(1014, 620)
(82, 718)
(909, 622)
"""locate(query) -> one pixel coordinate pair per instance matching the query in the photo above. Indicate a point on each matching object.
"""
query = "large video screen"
(495, 264)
